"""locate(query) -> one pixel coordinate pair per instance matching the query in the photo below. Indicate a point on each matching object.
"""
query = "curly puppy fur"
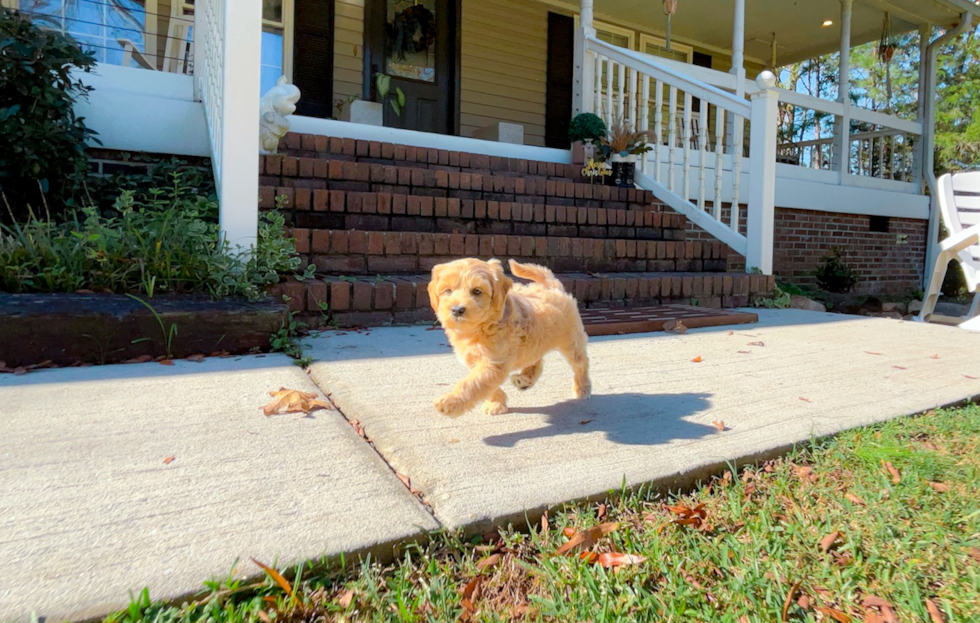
(497, 328)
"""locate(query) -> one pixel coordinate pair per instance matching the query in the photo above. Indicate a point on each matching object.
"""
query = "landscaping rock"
(68, 329)
(915, 307)
(807, 304)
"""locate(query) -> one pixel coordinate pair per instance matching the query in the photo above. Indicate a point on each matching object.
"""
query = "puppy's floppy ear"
(501, 286)
(434, 287)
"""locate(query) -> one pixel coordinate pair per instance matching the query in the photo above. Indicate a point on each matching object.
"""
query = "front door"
(415, 42)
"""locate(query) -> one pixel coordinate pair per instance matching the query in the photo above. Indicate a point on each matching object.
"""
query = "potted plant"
(620, 147)
(372, 112)
(585, 132)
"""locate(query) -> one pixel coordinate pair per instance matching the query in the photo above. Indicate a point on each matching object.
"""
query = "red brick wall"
(884, 265)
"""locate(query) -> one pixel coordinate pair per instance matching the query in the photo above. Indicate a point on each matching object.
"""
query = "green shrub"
(195, 181)
(833, 274)
(42, 142)
(587, 128)
(166, 244)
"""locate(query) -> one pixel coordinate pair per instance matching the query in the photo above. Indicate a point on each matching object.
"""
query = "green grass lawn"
(828, 533)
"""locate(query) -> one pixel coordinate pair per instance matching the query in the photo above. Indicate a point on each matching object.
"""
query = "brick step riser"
(310, 146)
(348, 252)
(374, 302)
(312, 174)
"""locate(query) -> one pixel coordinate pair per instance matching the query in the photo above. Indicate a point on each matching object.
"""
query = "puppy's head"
(468, 293)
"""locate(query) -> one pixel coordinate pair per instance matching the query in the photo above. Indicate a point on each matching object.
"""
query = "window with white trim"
(277, 42)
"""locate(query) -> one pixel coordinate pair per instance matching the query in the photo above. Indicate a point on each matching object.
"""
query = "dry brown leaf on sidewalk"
(934, 612)
(828, 541)
(198, 358)
(293, 401)
(166, 362)
(586, 538)
(697, 359)
(896, 477)
(757, 344)
(616, 559)
(675, 326)
(936, 356)
(140, 359)
(873, 353)
(719, 424)
(170, 459)
(804, 399)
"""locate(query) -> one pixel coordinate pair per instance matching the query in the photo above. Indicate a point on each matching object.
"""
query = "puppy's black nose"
(458, 310)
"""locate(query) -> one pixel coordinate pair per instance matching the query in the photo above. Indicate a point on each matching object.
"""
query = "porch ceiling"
(797, 24)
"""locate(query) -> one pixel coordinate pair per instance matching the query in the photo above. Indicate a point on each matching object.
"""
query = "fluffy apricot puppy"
(497, 328)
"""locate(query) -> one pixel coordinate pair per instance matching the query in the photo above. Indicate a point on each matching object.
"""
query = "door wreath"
(412, 30)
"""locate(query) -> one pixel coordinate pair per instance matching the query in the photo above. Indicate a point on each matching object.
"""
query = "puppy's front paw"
(522, 381)
(491, 407)
(582, 391)
(451, 405)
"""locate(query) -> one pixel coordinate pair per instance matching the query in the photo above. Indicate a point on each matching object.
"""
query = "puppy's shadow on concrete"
(629, 419)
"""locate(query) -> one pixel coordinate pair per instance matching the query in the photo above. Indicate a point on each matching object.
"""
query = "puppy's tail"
(537, 274)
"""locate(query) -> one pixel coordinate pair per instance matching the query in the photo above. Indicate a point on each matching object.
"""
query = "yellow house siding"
(348, 49)
(503, 65)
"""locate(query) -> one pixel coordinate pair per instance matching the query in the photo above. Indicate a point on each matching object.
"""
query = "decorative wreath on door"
(412, 30)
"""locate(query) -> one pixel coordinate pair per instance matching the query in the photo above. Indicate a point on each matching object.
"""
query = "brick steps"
(354, 252)
(372, 301)
(373, 152)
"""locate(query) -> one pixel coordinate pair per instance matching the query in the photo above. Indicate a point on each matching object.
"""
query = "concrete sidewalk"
(792, 376)
(89, 510)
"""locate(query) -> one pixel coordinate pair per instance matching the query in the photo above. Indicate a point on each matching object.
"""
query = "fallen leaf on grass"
(939, 486)
(198, 358)
(974, 553)
(265, 618)
(275, 575)
(170, 459)
(836, 615)
(720, 425)
(805, 472)
(569, 532)
(696, 359)
(586, 538)
(855, 499)
(828, 541)
(886, 608)
(789, 600)
(166, 362)
(675, 326)
(293, 401)
(616, 559)
(344, 600)
(934, 613)
(490, 561)
(471, 593)
(544, 523)
(687, 516)
(896, 477)
(601, 512)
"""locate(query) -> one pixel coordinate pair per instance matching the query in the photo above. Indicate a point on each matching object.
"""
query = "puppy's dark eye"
(477, 291)
(447, 291)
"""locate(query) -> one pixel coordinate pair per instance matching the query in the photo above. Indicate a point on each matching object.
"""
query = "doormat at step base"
(618, 321)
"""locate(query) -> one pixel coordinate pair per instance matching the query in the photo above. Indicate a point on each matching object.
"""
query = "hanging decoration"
(887, 47)
(670, 7)
(412, 30)
(772, 54)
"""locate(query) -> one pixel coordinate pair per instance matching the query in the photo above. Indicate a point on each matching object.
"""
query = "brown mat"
(645, 319)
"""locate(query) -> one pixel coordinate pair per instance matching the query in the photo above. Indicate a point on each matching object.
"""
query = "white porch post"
(842, 151)
(583, 99)
(925, 34)
(238, 191)
(738, 48)
(762, 179)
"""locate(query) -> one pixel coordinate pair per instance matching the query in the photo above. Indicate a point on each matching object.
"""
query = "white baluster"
(632, 99)
(686, 137)
(719, 158)
(644, 114)
(597, 87)
(609, 92)
(672, 134)
(659, 115)
(620, 94)
(737, 150)
(703, 117)
(881, 157)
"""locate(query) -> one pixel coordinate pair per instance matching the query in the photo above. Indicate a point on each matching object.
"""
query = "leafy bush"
(587, 128)
(166, 244)
(833, 274)
(42, 142)
(195, 181)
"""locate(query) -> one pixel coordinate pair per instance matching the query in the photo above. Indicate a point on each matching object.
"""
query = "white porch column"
(761, 215)
(925, 34)
(237, 118)
(842, 151)
(738, 48)
(583, 97)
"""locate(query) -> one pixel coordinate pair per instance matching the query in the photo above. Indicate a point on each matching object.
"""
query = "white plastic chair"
(959, 205)
(179, 48)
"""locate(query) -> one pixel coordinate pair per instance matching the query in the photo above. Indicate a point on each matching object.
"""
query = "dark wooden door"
(313, 57)
(558, 105)
(416, 42)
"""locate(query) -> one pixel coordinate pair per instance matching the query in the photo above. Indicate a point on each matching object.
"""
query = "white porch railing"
(227, 48)
(693, 175)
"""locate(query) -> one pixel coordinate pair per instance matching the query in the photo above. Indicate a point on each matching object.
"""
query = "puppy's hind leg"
(577, 357)
(526, 378)
(496, 404)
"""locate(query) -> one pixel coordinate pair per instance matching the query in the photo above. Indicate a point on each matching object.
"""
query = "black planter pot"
(622, 174)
